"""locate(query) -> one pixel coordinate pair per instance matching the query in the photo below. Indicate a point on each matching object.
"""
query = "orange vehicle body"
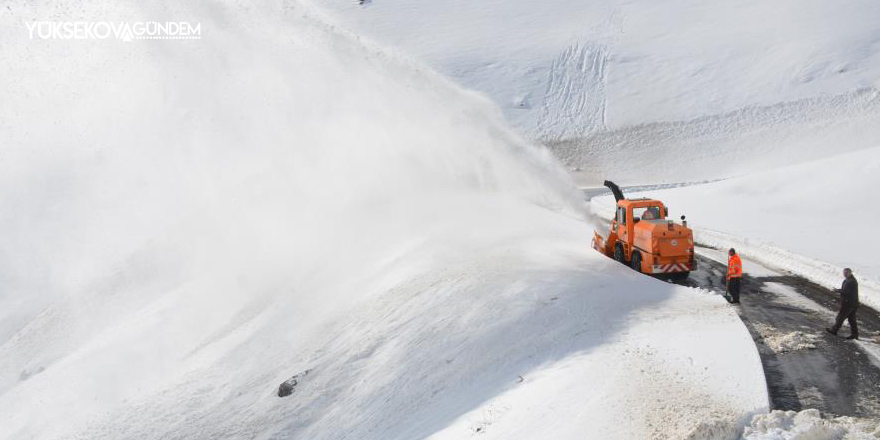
(642, 237)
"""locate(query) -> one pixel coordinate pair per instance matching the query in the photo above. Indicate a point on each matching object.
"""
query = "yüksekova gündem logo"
(123, 30)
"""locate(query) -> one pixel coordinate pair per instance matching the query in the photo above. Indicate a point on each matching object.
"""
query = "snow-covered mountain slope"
(708, 90)
(812, 219)
(718, 146)
(188, 223)
(562, 69)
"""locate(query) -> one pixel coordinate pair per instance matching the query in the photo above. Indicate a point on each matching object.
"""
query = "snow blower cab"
(643, 238)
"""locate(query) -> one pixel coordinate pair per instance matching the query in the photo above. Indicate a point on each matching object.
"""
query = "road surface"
(836, 376)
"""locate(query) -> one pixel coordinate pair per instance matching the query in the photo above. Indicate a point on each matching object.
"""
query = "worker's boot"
(831, 330)
(853, 337)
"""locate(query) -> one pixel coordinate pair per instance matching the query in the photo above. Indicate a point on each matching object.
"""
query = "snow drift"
(808, 424)
(187, 224)
(115, 152)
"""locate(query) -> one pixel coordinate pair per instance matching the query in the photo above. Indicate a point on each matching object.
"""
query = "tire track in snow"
(574, 101)
(748, 139)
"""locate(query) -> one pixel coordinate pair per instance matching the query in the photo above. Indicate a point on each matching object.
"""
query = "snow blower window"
(647, 213)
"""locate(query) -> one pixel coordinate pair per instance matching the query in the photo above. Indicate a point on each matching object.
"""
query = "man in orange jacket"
(734, 275)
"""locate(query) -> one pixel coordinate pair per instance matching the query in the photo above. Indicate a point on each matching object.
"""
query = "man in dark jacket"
(849, 302)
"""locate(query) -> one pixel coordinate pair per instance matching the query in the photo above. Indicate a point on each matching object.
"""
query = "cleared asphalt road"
(838, 376)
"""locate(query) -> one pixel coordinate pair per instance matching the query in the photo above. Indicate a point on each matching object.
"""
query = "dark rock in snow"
(26, 374)
(286, 387)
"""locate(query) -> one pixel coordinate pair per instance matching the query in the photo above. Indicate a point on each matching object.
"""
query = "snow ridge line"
(820, 272)
(753, 138)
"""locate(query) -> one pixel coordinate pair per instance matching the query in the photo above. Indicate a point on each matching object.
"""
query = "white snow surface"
(809, 425)
(811, 219)
(784, 342)
(563, 69)
(871, 345)
(187, 224)
(647, 92)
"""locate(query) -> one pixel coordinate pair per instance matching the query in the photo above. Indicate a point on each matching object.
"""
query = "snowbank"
(660, 367)
(811, 219)
(190, 223)
(809, 424)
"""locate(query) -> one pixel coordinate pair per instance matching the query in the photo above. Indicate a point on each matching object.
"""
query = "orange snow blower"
(642, 238)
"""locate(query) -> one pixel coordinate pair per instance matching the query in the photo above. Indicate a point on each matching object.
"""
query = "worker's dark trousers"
(733, 286)
(847, 312)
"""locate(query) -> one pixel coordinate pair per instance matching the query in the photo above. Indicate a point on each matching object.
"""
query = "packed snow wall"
(154, 195)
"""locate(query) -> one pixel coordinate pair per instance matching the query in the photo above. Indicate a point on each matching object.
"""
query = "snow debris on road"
(809, 425)
(785, 342)
(870, 344)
